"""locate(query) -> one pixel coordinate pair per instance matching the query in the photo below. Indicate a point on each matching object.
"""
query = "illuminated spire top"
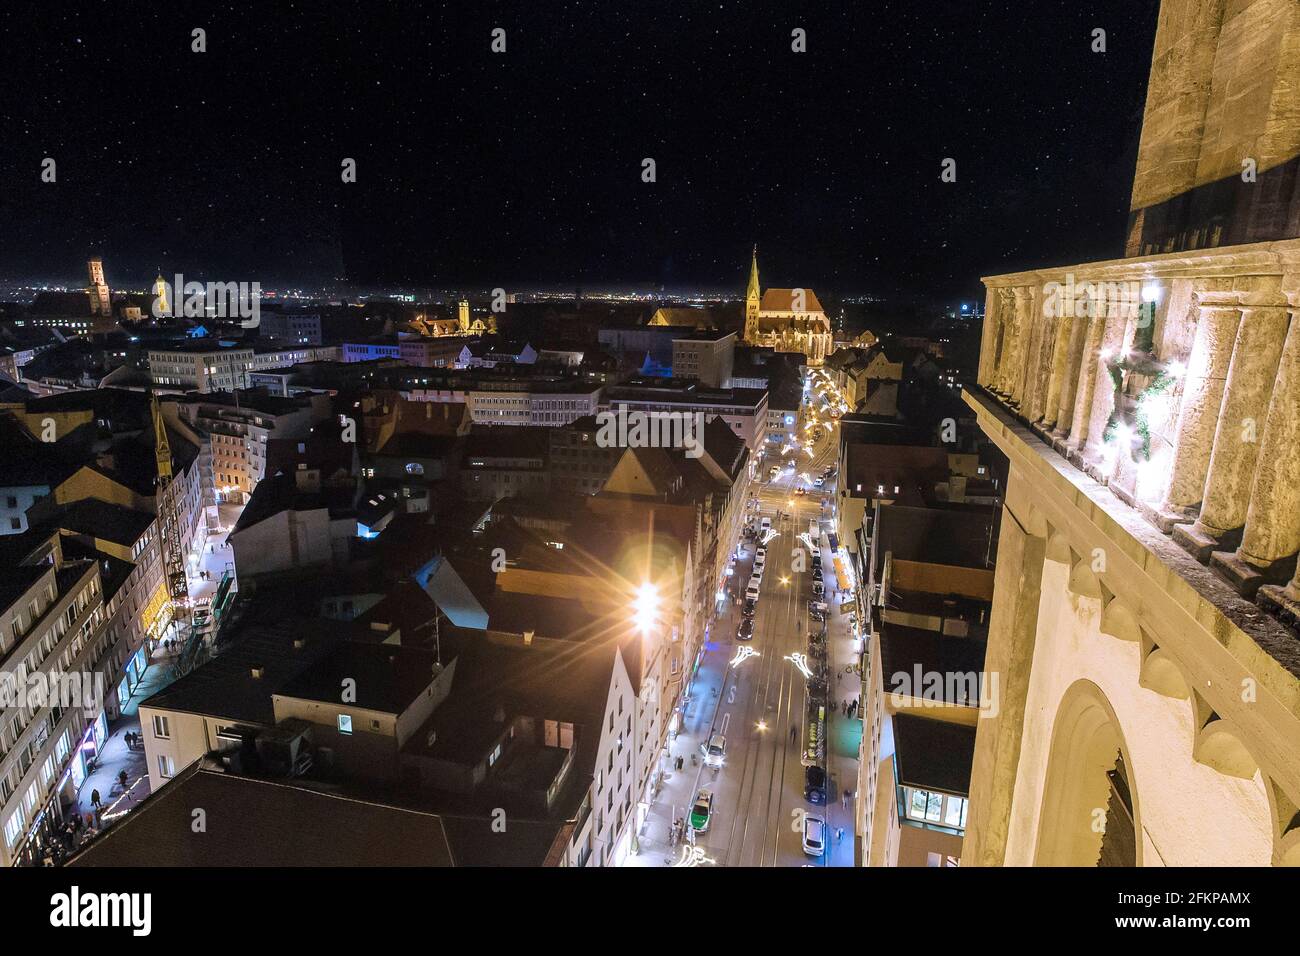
(753, 292)
(162, 447)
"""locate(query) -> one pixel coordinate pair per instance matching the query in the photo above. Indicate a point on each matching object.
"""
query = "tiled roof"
(782, 300)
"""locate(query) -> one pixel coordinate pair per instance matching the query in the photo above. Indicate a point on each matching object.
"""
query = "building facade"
(788, 320)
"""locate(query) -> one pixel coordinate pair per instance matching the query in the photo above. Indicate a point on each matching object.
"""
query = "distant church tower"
(99, 303)
(462, 315)
(752, 298)
(161, 306)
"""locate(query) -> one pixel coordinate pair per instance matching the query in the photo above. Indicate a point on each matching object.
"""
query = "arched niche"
(1089, 788)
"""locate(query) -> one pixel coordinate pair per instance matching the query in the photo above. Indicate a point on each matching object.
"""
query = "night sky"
(523, 169)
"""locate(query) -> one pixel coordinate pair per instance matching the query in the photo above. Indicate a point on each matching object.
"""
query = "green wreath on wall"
(1133, 411)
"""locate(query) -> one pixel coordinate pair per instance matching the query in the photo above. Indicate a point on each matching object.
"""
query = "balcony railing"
(1175, 380)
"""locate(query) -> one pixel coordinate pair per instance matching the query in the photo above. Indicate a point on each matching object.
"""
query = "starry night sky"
(524, 169)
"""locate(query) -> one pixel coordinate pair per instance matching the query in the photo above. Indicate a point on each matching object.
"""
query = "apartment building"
(232, 431)
(290, 328)
(201, 367)
(743, 409)
(706, 356)
(52, 642)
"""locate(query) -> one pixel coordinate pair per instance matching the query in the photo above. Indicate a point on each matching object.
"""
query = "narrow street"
(759, 704)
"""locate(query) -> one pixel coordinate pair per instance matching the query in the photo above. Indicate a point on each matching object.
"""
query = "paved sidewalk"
(844, 738)
(679, 787)
(114, 758)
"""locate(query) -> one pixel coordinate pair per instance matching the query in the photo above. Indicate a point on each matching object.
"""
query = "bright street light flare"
(646, 607)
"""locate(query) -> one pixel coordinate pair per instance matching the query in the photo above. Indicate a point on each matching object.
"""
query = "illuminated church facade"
(788, 320)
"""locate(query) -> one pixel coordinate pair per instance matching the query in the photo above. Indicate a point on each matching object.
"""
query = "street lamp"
(645, 607)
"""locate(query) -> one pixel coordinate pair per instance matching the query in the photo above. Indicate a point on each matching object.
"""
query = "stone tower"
(752, 297)
(161, 305)
(462, 315)
(99, 302)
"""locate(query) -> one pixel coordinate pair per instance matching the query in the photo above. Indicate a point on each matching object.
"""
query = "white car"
(765, 524)
(760, 561)
(715, 751)
(814, 834)
(751, 592)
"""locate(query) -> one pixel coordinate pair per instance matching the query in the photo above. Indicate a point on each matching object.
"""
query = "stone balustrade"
(1175, 380)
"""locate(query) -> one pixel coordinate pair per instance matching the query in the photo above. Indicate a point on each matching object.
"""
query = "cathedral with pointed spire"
(788, 320)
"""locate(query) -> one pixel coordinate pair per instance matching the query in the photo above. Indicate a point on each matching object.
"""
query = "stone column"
(989, 339)
(1024, 331)
(1090, 367)
(1272, 529)
(1070, 377)
(1242, 420)
(1013, 631)
(1005, 332)
(1198, 416)
(1103, 393)
(1040, 367)
(1060, 363)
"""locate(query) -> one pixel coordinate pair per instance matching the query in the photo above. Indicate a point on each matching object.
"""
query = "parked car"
(702, 811)
(715, 751)
(746, 630)
(749, 607)
(814, 834)
(814, 785)
(818, 588)
(765, 524)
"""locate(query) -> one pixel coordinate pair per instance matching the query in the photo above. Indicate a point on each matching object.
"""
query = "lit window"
(345, 723)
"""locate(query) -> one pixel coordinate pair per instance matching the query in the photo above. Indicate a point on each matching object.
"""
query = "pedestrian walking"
(844, 800)
(94, 799)
(121, 778)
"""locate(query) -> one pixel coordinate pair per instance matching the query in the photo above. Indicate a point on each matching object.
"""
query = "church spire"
(752, 296)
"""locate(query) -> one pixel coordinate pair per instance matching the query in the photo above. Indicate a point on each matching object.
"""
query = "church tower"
(752, 297)
(161, 306)
(99, 299)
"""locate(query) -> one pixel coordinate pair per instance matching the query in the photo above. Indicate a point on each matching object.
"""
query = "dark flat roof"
(933, 754)
(252, 822)
(389, 677)
(934, 535)
(903, 649)
(225, 686)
